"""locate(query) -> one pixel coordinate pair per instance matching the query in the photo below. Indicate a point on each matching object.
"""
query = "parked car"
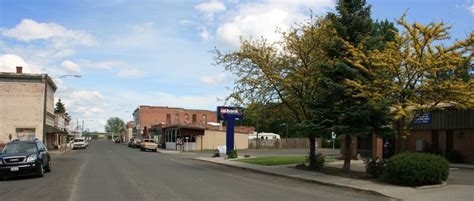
(149, 144)
(117, 140)
(21, 158)
(130, 142)
(137, 143)
(79, 143)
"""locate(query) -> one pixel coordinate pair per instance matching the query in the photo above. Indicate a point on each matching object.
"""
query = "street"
(108, 171)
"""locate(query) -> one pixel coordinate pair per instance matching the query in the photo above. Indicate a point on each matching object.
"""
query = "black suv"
(24, 158)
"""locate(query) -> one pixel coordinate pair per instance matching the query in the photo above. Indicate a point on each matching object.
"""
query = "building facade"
(144, 117)
(27, 107)
(445, 132)
(201, 137)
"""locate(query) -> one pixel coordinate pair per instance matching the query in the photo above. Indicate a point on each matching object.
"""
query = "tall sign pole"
(229, 114)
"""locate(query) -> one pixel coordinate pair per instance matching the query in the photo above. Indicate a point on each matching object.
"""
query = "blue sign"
(235, 112)
(229, 114)
(425, 118)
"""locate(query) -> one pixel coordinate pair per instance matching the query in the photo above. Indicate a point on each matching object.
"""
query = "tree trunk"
(401, 133)
(347, 153)
(312, 152)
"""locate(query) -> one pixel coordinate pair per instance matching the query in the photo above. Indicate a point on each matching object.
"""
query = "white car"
(79, 143)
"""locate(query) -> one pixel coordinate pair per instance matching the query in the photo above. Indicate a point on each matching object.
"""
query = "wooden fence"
(286, 143)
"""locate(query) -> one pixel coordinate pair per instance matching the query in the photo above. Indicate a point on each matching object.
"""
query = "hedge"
(416, 169)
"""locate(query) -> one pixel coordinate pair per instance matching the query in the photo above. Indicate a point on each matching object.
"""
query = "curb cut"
(302, 179)
(443, 184)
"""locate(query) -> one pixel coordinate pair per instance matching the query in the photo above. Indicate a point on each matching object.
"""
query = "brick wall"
(462, 143)
(150, 115)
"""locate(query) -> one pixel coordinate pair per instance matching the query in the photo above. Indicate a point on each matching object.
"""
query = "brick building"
(442, 132)
(144, 117)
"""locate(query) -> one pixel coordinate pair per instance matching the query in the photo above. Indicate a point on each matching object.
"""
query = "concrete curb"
(462, 166)
(302, 179)
(432, 186)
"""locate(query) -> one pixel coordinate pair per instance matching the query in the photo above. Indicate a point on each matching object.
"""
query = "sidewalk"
(60, 151)
(166, 151)
(449, 192)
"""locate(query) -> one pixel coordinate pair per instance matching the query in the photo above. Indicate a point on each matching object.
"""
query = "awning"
(52, 129)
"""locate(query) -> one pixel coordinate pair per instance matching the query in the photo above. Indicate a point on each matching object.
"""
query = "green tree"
(269, 118)
(339, 108)
(114, 125)
(60, 108)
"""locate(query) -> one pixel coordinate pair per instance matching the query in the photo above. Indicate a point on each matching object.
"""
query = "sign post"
(333, 136)
(229, 115)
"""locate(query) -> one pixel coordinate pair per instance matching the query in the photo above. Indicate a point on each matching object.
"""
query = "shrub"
(375, 167)
(232, 154)
(320, 161)
(416, 169)
(454, 157)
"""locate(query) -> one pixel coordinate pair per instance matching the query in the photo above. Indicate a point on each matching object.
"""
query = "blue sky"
(150, 52)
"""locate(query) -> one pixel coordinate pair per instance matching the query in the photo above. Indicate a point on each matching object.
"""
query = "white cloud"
(205, 101)
(186, 22)
(105, 65)
(213, 79)
(262, 19)
(471, 8)
(71, 67)
(131, 73)
(138, 36)
(204, 34)
(211, 7)
(29, 30)
(9, 62)
(90, 112)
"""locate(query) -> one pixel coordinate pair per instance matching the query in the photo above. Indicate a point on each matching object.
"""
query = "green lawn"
(278, 160)
(275, 160)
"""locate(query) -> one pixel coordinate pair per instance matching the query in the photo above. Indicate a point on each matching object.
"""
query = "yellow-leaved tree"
(419, 72)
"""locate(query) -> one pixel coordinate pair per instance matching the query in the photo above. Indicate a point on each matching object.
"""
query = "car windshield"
(78, 140)
(149, 141)
(19, 148)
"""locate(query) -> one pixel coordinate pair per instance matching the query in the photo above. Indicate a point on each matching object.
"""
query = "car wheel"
(48, 167)
(41, 171)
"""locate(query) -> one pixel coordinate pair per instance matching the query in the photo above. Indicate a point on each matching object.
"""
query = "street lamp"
(63, 76)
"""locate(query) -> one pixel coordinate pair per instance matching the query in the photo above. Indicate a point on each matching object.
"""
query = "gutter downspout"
(45, 79)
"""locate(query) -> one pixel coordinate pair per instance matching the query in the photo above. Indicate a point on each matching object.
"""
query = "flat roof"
(167, 107)
(27, 77)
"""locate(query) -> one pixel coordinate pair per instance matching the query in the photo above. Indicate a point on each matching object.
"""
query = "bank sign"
(226, 111)
(425, 118)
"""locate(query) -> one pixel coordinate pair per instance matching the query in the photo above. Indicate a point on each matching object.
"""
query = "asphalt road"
(108, 171)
